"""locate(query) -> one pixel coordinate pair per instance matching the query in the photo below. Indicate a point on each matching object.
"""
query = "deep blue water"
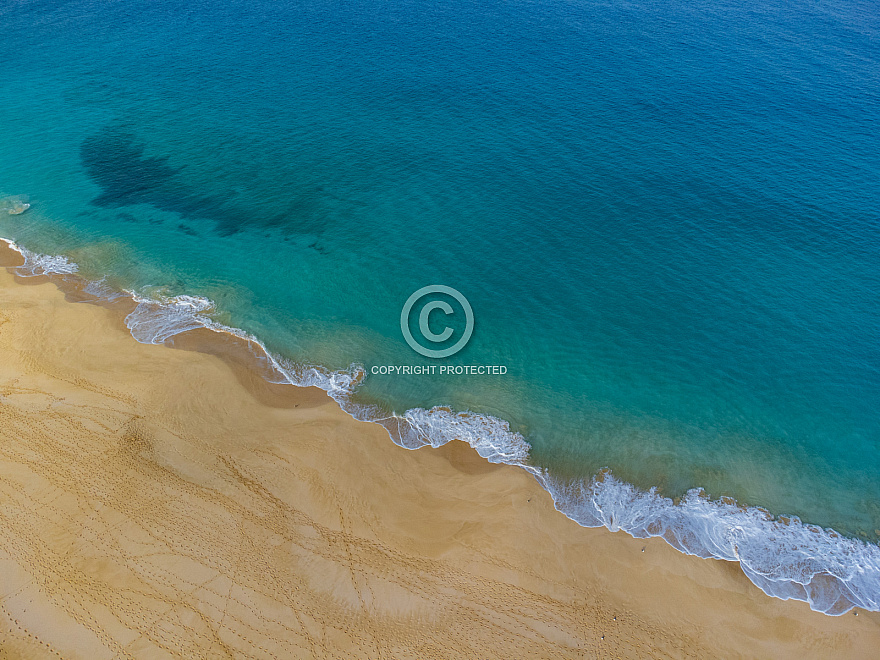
(665, 215)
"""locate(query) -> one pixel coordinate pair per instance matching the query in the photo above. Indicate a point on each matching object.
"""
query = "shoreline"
(831, 572)
(162, 503)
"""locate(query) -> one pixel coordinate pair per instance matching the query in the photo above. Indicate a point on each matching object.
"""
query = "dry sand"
(167, 503)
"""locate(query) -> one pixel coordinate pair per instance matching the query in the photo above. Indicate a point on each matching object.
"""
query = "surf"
(783, 556)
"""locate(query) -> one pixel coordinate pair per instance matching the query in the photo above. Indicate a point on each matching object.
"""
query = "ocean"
(664, 216)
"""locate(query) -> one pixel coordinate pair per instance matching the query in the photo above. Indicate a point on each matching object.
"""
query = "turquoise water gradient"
(665, 215)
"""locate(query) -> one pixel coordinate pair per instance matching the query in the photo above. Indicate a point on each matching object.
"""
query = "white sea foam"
(41, 264)
(785, 558)
(157, 319)
(490, 436)
(101, 289)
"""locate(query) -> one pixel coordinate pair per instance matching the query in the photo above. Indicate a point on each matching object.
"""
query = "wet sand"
(159, 503)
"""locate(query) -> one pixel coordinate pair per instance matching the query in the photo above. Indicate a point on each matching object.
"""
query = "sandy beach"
(164, 503)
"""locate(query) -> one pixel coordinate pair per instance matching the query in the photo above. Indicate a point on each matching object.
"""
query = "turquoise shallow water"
(664, 216)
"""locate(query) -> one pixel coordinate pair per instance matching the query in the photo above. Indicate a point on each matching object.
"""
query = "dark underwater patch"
(116, 162)
(189, 231)
(114, 159)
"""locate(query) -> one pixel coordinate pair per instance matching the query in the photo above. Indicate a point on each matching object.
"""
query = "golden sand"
(159, 503)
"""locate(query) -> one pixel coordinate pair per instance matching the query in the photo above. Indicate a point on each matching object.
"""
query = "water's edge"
(784, 557)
